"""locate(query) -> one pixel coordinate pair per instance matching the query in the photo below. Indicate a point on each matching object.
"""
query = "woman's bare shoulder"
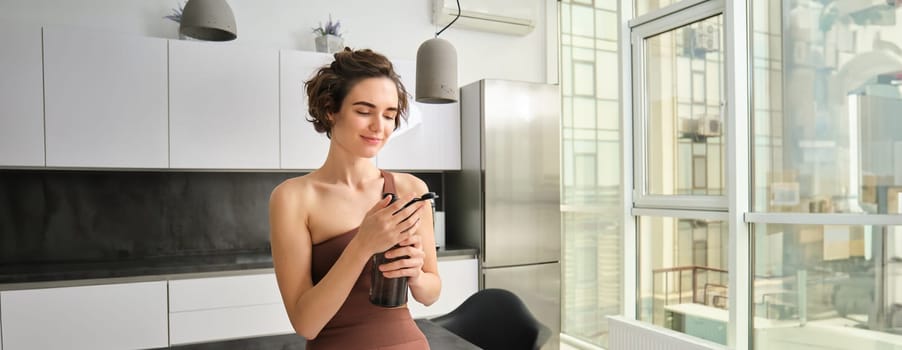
(407, 183)
(294, 191)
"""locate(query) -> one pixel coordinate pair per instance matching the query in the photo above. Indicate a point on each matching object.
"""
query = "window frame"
(667, 19)
(735, 202)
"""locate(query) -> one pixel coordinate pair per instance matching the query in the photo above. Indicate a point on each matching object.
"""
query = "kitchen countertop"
(438, 337)
(160, 266)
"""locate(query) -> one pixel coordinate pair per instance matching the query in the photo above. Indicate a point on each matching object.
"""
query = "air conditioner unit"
(516, 17)
(701, 127)
(707, 37)
(710, 126)
(700, 39)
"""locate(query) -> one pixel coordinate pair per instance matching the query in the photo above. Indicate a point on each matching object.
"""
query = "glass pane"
(827, 287)
(608, 115)
(644, 6)
(591, 173)
(584, 113)
(592, 275)
(606, 25)
(583, 18)
(684, 84)
(827, 94)
(583, 82)
(683, 276)
(607, 78)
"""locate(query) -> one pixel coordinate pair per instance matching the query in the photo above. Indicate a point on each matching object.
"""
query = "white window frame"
(668, 19)
(736, 97)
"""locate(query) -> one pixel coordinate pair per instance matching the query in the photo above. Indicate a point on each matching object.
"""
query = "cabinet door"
(219, 308)
(301, 147)
(21, 96)
(224, 106)
(114, 316)
(430, 140)
(105, 100)
(460, 280)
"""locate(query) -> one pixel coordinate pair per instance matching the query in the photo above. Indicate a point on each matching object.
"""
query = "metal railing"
(717, 288)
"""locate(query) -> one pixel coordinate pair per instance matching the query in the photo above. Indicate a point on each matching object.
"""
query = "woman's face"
(367, 117)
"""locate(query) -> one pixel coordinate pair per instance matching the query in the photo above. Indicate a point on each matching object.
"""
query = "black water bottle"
(387, 292)
(390, 292)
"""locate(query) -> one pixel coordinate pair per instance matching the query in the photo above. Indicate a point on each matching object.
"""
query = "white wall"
(393, 27)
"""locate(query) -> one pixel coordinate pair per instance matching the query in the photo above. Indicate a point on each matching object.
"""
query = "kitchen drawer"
(112, 316)
(220, 308)
(228, 323)
(220, 292)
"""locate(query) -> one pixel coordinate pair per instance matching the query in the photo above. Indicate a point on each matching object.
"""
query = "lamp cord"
(452, 21)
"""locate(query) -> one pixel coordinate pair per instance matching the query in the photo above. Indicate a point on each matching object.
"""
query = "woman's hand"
(411, 264)
(385, 225)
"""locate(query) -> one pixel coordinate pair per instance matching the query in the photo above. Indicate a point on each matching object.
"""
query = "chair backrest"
(495, 319)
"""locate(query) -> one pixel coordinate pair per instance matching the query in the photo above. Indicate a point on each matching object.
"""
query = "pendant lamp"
(437, 69)
(210, 20)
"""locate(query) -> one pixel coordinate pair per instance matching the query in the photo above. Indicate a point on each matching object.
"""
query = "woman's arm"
(309, 308)
(422, 266)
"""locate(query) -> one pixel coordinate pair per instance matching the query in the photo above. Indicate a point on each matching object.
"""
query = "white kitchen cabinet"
(113, 316)
(460, 280)
(224, 106)
(219, 308)
(301, 146)
(21, 96)
(431, 138)
(105, 99)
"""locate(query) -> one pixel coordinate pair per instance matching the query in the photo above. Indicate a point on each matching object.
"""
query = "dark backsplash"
(77, 216)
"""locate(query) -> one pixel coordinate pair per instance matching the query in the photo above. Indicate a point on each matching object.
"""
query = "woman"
(326, 225)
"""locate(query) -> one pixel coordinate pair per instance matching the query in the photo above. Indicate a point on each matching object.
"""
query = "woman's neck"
(348, 170)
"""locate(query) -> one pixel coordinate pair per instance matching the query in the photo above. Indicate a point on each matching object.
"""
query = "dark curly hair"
(331, 83)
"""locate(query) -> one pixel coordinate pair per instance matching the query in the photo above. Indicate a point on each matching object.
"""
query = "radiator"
(626, 334)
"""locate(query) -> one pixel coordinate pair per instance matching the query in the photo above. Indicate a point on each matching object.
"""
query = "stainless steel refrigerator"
(506, 198)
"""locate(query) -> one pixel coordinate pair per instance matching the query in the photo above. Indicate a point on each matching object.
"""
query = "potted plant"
(176, 16)
(328, 37)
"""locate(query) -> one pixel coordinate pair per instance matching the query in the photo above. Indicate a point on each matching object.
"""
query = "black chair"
(495, 319)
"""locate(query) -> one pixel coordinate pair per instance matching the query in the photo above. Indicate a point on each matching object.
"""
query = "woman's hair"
(329, 86)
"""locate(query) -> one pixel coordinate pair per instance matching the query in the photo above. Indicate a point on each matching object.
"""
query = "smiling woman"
(327, 225)
(331, 84)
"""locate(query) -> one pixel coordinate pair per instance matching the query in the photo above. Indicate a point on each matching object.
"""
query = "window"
(592, 202)
(684, 126)
(827, 174)
(683, 274)
(827, 286)
(680, 200)
(679, 108)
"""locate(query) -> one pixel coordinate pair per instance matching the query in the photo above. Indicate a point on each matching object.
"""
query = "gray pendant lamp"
(437, 69)
(210, 20)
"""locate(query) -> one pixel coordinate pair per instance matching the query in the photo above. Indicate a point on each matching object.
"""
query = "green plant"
(176, 15)
(331, 28)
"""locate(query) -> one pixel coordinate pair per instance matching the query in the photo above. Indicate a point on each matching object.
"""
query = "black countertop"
(438, 337)
(60, 271)
(158, 266)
